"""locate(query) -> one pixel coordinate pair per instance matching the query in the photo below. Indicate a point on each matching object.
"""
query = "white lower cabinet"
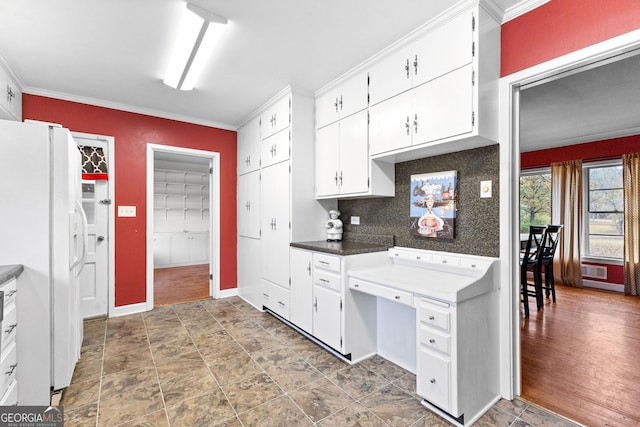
(249, 272)
(8, 356)
(301, 290)
(180, 248)
(327, 300)
(276, 299)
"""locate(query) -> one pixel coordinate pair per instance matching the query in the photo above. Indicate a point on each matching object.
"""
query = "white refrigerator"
(43, 227)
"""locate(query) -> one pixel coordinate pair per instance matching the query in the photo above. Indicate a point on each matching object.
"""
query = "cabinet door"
(250, 271)
(161, 249)
(327, 108)
(433, 379)
(198, 248)
(432, 58)
(354, 155)
(275, 223)
(353, 95)
(390, 124)
(275, 149)
(390, 76)
(249, 147)
(179, 249)
(249, 205)
(327, 316)
(275, 118)
(327, 160)
(301, 290)
(444, 106)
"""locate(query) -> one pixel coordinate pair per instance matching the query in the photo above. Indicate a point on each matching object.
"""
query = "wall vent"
(594, 271)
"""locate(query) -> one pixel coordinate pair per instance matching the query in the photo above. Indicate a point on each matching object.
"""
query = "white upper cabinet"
(342, 159)
(445, 101)
(275, 148)
(10, 97)
(276, 117)
(438, 109)
(434, 53)
(342, 101)
(249, 205)
(249, 147)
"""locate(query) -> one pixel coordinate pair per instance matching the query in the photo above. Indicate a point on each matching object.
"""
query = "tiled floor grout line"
(155, 368)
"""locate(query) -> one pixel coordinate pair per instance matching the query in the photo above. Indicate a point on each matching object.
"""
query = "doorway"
(182, 225)
(511, 147)
(97, 276)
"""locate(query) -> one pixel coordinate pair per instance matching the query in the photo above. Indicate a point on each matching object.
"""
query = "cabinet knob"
(432, 380)
(397, 297)
(432, 318)
(432, 341)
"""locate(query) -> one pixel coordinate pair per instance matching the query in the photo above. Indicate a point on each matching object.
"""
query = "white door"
(94, 278)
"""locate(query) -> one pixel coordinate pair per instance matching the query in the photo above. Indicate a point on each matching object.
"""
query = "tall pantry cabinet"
(288, 208)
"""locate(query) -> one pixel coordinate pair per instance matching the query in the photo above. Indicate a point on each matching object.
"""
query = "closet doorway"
(182, 225)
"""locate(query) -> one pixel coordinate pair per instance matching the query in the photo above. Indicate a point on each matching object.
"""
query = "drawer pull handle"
(432, 341)
(10, 329)
(444, 261)
(432, 318)
(265, 295)
(356, 285)
(324, 281)
(323, 262)
(397, 297)
(281, 303)
(11, 369)
(12, 293)
(432, 381)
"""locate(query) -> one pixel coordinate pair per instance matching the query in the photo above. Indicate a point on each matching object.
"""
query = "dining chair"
(550, 243)
(530, 261)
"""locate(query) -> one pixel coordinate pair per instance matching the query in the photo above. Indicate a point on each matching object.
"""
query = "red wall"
(563, 26)
(132, 132)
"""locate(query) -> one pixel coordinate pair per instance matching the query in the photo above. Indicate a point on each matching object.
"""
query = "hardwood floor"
(580, 356)
(180, 284)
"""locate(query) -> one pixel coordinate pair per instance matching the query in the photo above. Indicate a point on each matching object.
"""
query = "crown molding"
(124, 107)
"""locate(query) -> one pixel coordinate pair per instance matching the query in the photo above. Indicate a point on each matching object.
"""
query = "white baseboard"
(129, 309)
(603, 285)
(226, 293)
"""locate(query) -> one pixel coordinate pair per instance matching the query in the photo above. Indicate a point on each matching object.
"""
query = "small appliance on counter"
(334, 227)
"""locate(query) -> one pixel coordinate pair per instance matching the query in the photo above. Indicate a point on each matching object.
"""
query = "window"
(535, 198)
(603, 223)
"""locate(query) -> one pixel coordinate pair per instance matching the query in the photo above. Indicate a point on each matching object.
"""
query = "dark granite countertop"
(345, 247)
(8, 272)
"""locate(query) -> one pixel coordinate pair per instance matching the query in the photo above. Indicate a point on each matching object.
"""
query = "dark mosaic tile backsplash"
(477, 224)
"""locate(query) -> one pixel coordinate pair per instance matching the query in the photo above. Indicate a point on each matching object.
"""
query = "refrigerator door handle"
(85, 237)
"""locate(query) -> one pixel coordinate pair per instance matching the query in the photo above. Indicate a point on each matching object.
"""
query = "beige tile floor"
(224, 363)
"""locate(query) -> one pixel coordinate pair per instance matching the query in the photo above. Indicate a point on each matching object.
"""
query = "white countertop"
(451, 284)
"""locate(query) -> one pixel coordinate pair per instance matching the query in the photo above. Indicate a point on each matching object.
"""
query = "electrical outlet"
(127, 211)
(355, 220)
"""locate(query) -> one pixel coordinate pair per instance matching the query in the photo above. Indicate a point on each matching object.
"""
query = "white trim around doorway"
(509, 87)
(214, 217)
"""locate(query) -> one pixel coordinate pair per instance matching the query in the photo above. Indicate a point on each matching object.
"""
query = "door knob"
(100, 238)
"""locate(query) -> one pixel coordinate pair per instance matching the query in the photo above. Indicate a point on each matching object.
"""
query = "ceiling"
(114, 53)
(598, 102)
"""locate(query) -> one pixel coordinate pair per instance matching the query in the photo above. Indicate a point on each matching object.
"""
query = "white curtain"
(566, 206)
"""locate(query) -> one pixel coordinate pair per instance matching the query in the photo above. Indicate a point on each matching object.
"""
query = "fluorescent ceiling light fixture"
(199, 33)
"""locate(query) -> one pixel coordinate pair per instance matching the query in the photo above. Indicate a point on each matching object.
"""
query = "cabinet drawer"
(9, 325)
(10, 289)
(433, 379)
(433, 339)
(446, 260)
(327, 262)
(433, 315)
(8, 366)
(392, 294)
(10, 397)
(328, 280)
(276, 299)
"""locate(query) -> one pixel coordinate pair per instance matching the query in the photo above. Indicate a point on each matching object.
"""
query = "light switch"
(355, 220)
(127, 211)
(485, 189)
